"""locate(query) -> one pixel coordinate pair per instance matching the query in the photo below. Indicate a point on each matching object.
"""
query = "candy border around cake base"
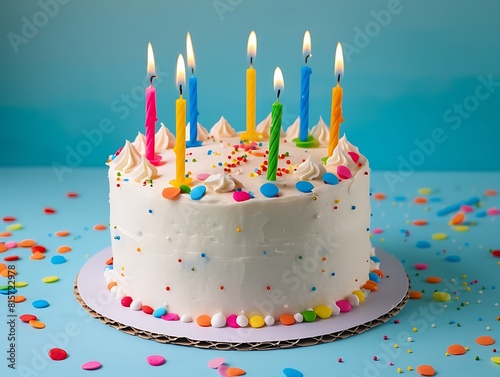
(379, 307)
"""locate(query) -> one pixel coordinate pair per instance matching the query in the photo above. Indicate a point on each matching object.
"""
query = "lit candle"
(251, 84)
(193, 97)
(180, 127)
(274, 137)
(336, 112)
(305, 74)
(151, 110)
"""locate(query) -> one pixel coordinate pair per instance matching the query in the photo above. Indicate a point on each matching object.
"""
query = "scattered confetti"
(457, 219)
(439, 236)
(378, 196)
(421, 266)
(58, 259)
(72, 195)
(50, 279)
(441, 296)
(27, 317)
(49, 211)
(233, 372)
(415, 295)
(37, 324)
(433, 279)
(26, 243)
(453, 258)
(420, 222)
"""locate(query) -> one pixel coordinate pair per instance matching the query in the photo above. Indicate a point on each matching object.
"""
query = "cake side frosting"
(305, 247)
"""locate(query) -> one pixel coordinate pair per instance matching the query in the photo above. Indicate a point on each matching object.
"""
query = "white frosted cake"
(234, 249)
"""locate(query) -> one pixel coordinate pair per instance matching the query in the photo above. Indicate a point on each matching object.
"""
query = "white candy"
(353, 299)
(136, 305)
(299, 317)
(186, 318)
(269, 320)
(242, 321)
(218, 320)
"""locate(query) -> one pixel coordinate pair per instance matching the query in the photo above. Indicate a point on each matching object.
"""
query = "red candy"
(496, 253)
(27, 317)
(49, 211)
(11, 258)
(39, 248)
(72, 194)
(58, 354)
(9, 219)
(126, 301)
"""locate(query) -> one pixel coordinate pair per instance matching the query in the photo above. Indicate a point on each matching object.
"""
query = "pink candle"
(151, 110)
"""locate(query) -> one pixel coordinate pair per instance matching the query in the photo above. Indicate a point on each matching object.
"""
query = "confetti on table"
(91, 365)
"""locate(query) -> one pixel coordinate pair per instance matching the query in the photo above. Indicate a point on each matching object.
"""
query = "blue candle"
(304, 140)
(305, 74)
(193, 97)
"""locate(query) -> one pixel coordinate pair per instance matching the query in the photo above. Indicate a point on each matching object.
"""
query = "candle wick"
(180, 89)
(338, 79)
(151, 79)
(192, 71)
(251, 61)
(308, 56)
(278, 96)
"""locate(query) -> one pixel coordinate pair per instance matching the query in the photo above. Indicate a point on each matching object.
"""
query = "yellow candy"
(20, 284)
(439, 236)
(50, 279)
(360, 294)
(323, 311)
(424, 191)
(400, 370)
(496, 359)
(441, 296)
(256, 321)
(461, 228)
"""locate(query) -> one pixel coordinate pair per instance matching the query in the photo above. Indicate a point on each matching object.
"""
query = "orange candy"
(485, 340)
(370, 285)
(379, 273)
(6, 272)
(433, 279)
(100, 227)
(3, 266)
(3, 248)
(420, 222)
(378, 196)
(287, 319)
(426, 370)
(64, 249)
(111, 285)
(26, 243)
(233, 372)
(456, 349)
(18, 299)
(62, 233)
(171, 192)
(5, 234)
(37, 255)
(203, 320)
(457, 219)
(415, 295)
(420, 200)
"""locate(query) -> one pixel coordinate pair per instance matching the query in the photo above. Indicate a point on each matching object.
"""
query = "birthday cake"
(232, 248)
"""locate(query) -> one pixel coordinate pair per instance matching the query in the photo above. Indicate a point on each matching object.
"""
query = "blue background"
(408, 65)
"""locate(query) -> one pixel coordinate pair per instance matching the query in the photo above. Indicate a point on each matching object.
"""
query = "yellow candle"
(336, 110)
(251, 91)
(180, 129)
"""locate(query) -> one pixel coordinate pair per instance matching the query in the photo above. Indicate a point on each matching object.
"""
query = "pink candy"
(241, 196)
(231, 321)
(215, 363)
(354, 156)
(343, 172)
(344, 306)
(170, 317)
(202, 176)
(493, 211)
(377, 231)
(421, 266)
(155, 360)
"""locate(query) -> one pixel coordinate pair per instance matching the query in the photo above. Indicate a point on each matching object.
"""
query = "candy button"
(37, 324)
(218, 320)
(241, 196)
(50, 279)
(344, 306)
(269, 190)
(441, 296)
(57, 354)
(155, 360)
(456, 349)
(233, 372)
(58, 259)
(202, 176)
(269, 320)
(203, 320)
(171, 193)
(185, 189)
(453, 258)
(343, 172)
(323, 311)
(354, 156)
(290, 372)
(11, 258)
(309, 315)
(304, 186)
(198, 192)
(496, 253)
(170, 317)
(216, 362)
(426, 370)
(423, 244)
(373, 276)
(91, 365)
(40, 304)
(126, 301)
(439, 236)
(256, 321)
(231, 321)
(158, 313)
(287, 319)
(496, 359)
(27, 317)
(421, 266)
(360, 294)
(242, 321)
(330, 179)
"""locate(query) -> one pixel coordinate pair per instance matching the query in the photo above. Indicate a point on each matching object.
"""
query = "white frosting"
(340, 156)
(262, 256)
(221, 183)
(292, 132)
(222, 129)
(321, 133)
(309, 170)
(164, 139)
(140, 143)
(143, 171)
(128, 158)
(202, 132)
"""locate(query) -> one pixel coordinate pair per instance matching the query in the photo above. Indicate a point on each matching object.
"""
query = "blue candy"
(423, 244)
(157, 313)
(198, 192)
(290, 372)
(304, 186)
(373, 276)
(453, 258)
(40, 304)
(330, 178)
(269, 190)
(58, 259)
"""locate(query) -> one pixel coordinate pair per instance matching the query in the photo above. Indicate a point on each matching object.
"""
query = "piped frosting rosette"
(309, 170)
(164, 139)
(222, 183)
(222, 129)
(144, 171)
(321, 133)
(345, 160)
(128, 158)
(140, 143)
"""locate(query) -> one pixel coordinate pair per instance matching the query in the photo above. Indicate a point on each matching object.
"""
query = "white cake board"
(92, 293)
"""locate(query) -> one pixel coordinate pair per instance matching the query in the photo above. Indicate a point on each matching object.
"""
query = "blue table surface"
(432, 325)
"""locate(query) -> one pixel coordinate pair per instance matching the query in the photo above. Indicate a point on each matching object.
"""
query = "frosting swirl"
(309, 170)
(202, 132)
(128, 158)
(164, 139)
(222, 129)
(264, 127)
(140, 143)
(292, 132)
(340, 156)
(221, 183)
(144, 170)
(321, 133)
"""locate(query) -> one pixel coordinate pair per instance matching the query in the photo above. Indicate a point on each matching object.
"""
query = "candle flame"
(252, 45)
(151, 61)
(306, 45)
(180, 77)
(279, 83)
(190, 53)
(339, 61)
